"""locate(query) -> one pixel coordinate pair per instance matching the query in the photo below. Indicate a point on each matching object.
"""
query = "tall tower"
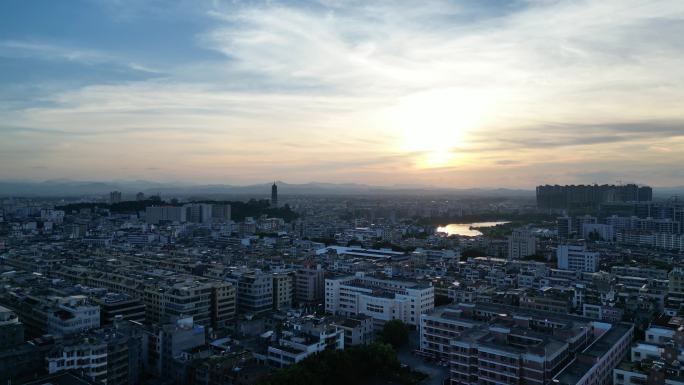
(274, 195)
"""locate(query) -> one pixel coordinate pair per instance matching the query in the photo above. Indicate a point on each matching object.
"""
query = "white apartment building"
(521, 243)
(577, 258)
(382, 299)
(296, 345)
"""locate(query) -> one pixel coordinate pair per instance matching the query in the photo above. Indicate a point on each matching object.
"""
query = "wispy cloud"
(54, 51)
(321, 84)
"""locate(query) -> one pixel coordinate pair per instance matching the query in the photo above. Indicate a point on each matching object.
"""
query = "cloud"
(54, 51)
(302, 87)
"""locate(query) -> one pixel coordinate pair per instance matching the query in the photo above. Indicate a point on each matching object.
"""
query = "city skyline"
(448, 94)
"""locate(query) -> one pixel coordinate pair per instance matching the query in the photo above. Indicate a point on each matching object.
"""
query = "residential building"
(303, 339)
(521, 243)
(164, 343)
(577, 258)
(165, 214)
(498, 344)
(358, 329)
(595, 364)
(254, 291)
(309, 285)
(382, 299)
(119, 306)
(282, 290)
(73, 314)
(115, 197)
(11, 330)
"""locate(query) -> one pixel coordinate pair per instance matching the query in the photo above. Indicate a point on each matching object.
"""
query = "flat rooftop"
(574, 372)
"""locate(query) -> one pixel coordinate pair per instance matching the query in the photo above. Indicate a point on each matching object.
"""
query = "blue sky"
(448, 93)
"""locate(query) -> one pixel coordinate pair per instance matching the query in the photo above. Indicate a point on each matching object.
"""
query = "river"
(465, 228)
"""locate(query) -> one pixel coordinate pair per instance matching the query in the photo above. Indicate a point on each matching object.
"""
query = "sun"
(435, 123)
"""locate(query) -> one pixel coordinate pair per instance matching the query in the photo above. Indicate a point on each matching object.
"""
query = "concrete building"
(155, 215)
(309, 285)
(303, 340)
(382, 299)
(282, 290)
(599, 231)
(167, 296)
(595, 364)
(358, 329)
(25, 362)
(119, 306)
(564, 226)
(521, 243)
(498, 344)
(115, 197)
(198, 212)
(221, 212)
(223, 304)
(254, 291)
(577, 258)
(73, 314)
(11, 330)
(589, 196)
(164, 343)
(658, 360)
(274, 195)
(85, 355)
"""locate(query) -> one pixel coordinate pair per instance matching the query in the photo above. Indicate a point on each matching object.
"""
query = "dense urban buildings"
(338, 192)
(198, 291)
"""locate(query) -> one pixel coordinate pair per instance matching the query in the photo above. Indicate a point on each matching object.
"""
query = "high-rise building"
(309, 285)
(274, 195)
(115, 197)
(220, 212)
(140, 196)
(198, 212)
(282, 290)
(564, 226)
(589, 196)
(157, 214)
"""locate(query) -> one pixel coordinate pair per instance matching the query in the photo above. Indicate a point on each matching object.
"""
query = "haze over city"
(440, 93)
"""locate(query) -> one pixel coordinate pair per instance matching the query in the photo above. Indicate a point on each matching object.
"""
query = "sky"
(441, 93)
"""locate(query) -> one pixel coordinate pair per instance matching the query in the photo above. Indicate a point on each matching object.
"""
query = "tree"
(353, 365)
(594, 236)
(472, 253)
(395, 333)
(441, 300)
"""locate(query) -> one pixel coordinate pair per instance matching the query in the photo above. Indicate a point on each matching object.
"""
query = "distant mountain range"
(71, 188)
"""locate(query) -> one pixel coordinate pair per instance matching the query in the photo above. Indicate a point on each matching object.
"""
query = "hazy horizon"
(455, 94)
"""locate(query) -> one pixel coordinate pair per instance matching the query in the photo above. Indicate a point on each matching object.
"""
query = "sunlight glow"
(436, 123)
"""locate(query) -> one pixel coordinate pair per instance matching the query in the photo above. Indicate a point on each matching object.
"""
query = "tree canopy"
(395, 333)
(353, 365)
